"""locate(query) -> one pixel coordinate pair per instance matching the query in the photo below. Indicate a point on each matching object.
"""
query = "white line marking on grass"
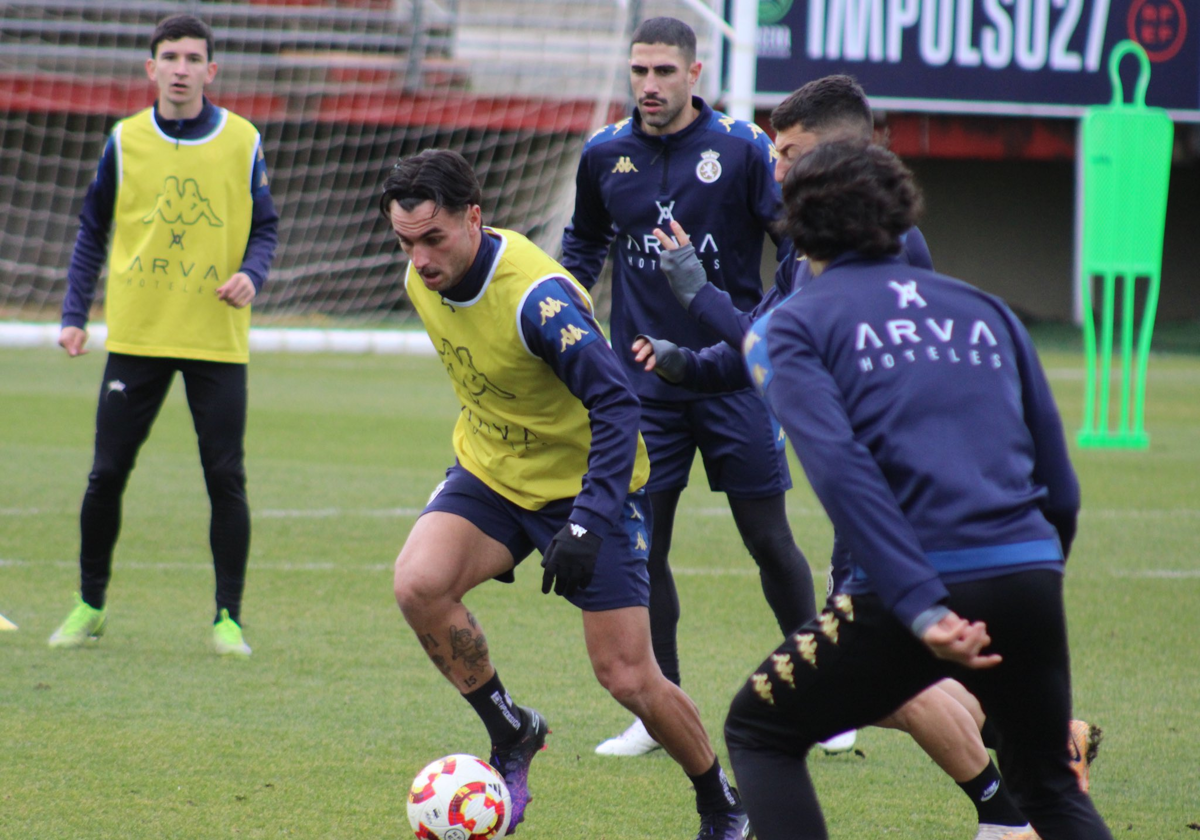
(206, 566)
(1166, 574)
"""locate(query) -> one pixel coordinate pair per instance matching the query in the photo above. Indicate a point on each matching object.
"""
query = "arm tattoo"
(442, 665)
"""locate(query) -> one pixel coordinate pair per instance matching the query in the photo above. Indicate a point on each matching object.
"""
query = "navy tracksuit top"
(924, 422)
(715, 178)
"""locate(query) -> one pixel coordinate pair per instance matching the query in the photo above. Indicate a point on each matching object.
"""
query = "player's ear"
(474, 217)
(212, 73)
(694, 72)
(151, 64)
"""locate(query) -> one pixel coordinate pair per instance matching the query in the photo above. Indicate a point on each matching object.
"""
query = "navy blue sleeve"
(264, 225)
(1052, 463)
(804, 396)
(718, 369)
(587, 238)
(91, 243)
(571, 342)
(713, 308)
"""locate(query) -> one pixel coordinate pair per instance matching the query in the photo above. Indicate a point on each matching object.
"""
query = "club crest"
(708, 169)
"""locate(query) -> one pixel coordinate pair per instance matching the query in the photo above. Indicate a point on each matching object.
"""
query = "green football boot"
(227, 637)
(83, 626)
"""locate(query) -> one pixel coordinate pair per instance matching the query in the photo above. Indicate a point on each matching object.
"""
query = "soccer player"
(544, 460)
(924, 422)
(183, 187)
(676, 158)
(945, 719)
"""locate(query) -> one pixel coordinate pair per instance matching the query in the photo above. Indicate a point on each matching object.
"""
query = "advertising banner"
(1021, 57)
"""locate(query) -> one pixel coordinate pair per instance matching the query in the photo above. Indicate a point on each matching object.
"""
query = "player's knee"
(415, 592)
(623, 680)
(226, 483)
(106, 481)
(772, 547)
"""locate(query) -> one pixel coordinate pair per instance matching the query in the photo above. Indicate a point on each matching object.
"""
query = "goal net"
(339, 89)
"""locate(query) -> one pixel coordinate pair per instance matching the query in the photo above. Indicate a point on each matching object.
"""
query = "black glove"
(570, 560)
(684, 273)
(669, 362)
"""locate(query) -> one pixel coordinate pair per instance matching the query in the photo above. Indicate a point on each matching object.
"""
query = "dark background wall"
(1009, 226)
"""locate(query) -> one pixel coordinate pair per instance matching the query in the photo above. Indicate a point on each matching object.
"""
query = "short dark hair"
(666, 30)
(438, 175)
(849, 196)
(824, 103)
(181, 26)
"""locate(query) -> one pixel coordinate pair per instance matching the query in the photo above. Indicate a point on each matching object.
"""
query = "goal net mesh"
(339, 90)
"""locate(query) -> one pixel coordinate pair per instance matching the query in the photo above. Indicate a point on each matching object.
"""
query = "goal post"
(339, 90)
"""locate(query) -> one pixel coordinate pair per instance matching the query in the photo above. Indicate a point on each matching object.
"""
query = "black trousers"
(131, 395)
(856, 664)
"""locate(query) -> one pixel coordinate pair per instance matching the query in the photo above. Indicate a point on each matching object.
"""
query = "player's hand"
(570, 560)
(237, 291)
(680, 240)
(73, 340)
(661, 356)
(958, 640)
(681, 265)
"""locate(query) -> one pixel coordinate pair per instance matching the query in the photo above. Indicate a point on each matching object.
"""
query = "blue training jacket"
(923, 420)
(720, 367)
(715, 178)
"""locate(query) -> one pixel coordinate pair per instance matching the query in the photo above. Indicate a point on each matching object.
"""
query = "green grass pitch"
(318, 735)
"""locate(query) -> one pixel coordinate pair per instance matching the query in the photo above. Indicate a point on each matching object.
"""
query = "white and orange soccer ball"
(459, 797)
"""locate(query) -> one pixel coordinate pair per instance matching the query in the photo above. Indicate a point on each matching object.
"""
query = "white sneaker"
(839, 743)
(633, 741)
(989, 831)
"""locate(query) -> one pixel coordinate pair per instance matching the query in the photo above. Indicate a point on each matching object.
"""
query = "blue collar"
(679, 137)
(199, 126)
(468, 287)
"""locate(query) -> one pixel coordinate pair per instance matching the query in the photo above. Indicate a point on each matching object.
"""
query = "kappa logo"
(578, 531)
(806, 647)
(115, 385)
(990, 791)
(641, 545)
(550, 307)
(571, 334)
(624, 165)
(908, 294)
(708, 169)
(183, 204)
(784, 668)
(461, 367)
(728, 122)
(762, 687)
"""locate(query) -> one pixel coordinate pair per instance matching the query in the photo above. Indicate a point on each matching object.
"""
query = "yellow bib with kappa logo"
(520, 431)
(180, 225)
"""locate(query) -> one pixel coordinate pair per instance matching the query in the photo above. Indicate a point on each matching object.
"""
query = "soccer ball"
(459, 797)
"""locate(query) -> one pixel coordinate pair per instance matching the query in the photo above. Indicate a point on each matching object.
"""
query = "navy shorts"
(741, 444)
(620, 580)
